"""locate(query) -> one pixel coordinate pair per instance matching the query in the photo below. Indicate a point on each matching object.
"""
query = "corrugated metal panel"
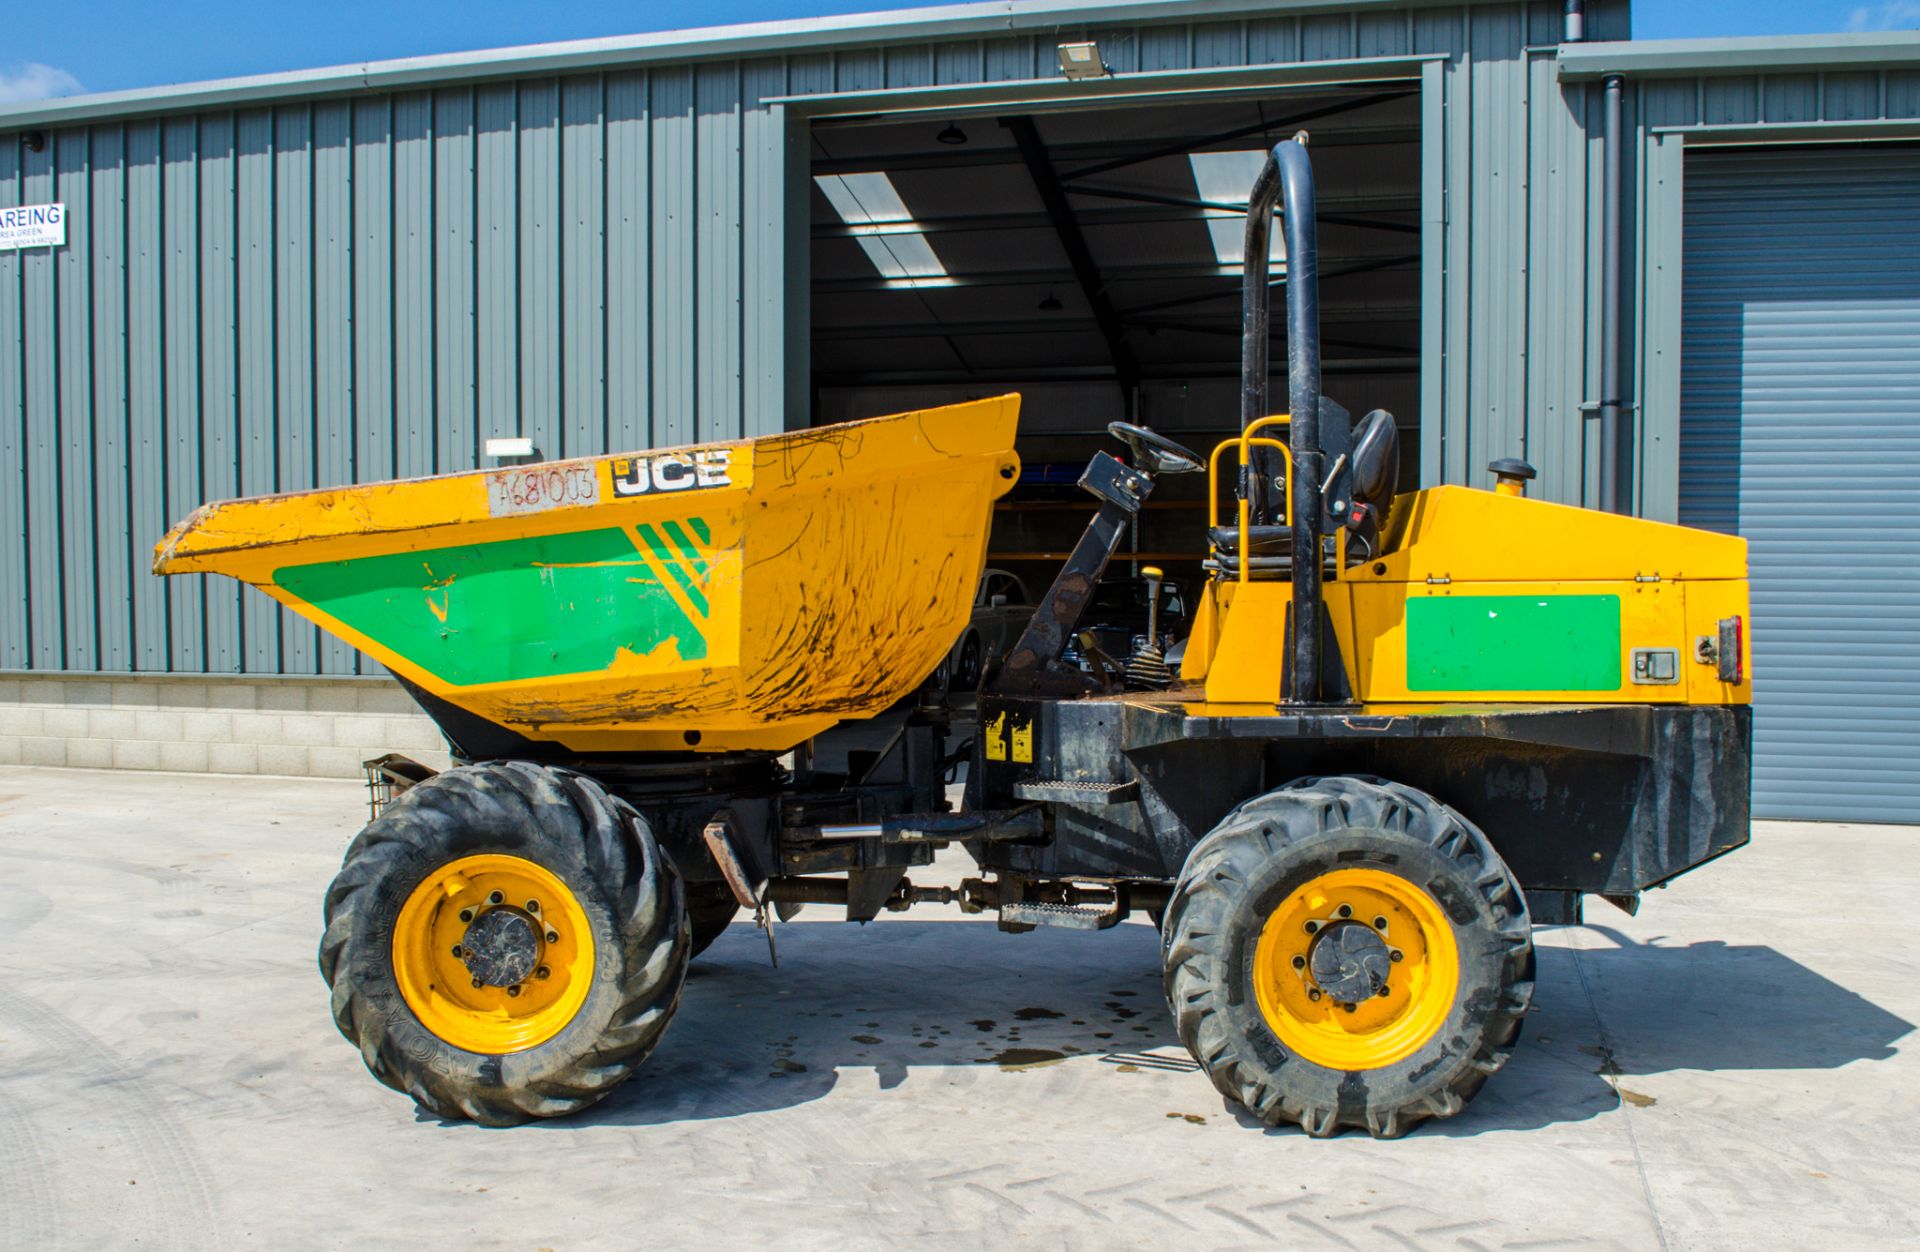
(349, 288)
(1801, 430)
(15, 634)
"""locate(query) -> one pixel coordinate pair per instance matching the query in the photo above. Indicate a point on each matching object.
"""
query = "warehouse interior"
(1089, 258)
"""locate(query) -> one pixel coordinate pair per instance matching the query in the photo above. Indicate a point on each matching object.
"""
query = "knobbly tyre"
(1405, 730)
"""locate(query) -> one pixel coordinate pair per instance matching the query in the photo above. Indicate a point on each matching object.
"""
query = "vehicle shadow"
(895, 997)
(902, 996)
(1606, 1014)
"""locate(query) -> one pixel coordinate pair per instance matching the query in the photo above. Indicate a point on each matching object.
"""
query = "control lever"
(1147, 667)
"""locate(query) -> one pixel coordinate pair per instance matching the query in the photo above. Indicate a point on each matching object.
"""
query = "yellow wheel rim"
(1421, 968)
(543, 985)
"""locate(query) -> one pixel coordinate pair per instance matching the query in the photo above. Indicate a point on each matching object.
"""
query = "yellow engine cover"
(1483, 597)
(741, 595)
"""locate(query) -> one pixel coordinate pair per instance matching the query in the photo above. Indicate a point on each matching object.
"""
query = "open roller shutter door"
(1800, 429)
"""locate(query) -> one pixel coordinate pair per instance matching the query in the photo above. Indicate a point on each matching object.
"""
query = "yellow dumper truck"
(1403, 730)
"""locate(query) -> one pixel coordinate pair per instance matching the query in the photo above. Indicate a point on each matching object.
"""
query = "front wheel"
(1348, 952)
(505, 942)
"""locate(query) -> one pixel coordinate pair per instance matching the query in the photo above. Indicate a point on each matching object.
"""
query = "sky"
(71, 48)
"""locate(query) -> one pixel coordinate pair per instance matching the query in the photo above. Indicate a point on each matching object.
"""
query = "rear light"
(1731, 669)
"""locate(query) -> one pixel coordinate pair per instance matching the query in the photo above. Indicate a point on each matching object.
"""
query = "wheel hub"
(493, 953)
(501, 948)
(1349, 961)
(1355, 969)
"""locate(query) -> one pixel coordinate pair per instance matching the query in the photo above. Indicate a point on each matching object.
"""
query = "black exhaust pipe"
(1287, 179)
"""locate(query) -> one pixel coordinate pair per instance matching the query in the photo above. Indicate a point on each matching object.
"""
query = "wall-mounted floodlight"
(1082, 60)
(510, 446)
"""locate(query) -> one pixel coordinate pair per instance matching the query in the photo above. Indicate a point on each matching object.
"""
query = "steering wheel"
(1155, 453)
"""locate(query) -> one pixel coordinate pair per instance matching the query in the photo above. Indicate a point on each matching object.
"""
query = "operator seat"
(1375, 474)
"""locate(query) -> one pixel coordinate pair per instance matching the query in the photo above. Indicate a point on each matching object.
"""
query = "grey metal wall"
(1675, 116)
(1801, 431)
(347, 289)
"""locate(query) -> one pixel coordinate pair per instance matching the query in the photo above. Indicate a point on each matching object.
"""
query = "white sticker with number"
(537, 488)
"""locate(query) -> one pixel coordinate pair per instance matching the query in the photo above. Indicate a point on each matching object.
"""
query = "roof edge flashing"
(1653, 58)
(894, 26)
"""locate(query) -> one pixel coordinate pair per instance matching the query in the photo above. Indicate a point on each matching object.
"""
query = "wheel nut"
(1383, 990)
(1395, 955)
(553, 937)
(533, 906)
(1347, 1007)
(1299, 962)
(466, 915)
(477, 984)
(1346, 910)
(542, 972)
(513, 991)
(1312, 927)
(1379, 923)
(496, 898)
(1313, 993)
(457, 950)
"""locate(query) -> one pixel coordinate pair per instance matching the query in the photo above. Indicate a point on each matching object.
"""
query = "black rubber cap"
(1513, 467)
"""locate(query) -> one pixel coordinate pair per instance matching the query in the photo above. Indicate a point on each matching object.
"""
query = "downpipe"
(1616, 434)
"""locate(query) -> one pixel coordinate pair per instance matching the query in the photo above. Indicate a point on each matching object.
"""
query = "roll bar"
(1286, 180)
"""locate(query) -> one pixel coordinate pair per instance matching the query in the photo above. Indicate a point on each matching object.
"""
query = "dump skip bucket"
(729, 596)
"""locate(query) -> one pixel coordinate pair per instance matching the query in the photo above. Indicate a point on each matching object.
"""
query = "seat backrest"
(1376, 461)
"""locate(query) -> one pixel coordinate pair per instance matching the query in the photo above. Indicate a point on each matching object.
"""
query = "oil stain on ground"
(1026, 1058)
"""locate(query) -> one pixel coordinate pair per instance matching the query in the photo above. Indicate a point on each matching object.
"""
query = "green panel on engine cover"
(1513, 643)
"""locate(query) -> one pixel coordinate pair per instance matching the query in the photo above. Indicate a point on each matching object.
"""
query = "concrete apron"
(1732, 1069)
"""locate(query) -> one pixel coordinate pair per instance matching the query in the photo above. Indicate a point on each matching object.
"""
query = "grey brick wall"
(306, 727)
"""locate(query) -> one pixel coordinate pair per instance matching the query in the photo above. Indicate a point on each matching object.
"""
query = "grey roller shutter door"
(1800, 429)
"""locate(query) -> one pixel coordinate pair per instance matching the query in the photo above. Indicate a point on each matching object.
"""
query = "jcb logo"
(672, 471)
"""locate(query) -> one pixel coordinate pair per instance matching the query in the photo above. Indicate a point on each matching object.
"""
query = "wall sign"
(33, 226)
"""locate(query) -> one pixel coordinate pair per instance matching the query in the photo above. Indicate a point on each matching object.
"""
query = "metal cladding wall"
(347, 287)
(1676, 115)
(1801, 431)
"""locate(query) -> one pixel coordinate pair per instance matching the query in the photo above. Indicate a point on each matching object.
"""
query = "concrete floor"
(1733, 1069)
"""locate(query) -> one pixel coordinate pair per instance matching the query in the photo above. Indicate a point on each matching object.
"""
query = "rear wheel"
(1348, 952)
(505, 942)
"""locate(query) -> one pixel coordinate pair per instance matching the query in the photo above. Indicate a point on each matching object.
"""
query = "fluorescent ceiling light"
(1227, 178)
(884, 229)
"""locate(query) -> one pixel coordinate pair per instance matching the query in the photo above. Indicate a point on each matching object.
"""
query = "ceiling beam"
(1187, 146)
(989, 154)
(1342, 271)
(1053, 197)
(1224, 206)
(1091, 216)
(1365, 312)
(1089, 374)
(1171, 272)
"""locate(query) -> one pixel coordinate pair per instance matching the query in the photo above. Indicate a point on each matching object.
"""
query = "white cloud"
(1887, 15)
(31, 80)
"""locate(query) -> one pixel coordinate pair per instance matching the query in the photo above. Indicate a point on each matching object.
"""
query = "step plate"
(1030, 913)
(1085, 794)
